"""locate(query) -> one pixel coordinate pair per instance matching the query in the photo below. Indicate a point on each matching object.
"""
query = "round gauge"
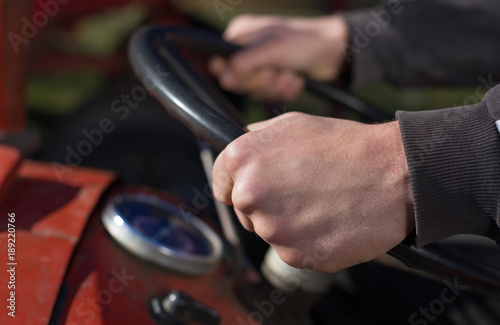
(161, 232)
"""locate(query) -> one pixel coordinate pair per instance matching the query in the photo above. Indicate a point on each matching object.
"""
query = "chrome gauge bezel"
(148, 249)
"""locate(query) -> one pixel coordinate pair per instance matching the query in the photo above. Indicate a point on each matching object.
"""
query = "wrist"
(332, 36)
(400, 171)
(333, 29)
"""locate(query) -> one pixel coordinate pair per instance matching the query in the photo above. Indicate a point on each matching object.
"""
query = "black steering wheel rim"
(183, 92)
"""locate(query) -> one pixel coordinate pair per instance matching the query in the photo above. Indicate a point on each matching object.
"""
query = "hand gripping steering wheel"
(185, 93)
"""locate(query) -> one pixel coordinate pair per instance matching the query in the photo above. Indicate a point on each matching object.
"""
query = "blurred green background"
(70, 63)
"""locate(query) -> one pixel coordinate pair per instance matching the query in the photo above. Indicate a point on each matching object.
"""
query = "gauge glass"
(162, 232)
(165, 228)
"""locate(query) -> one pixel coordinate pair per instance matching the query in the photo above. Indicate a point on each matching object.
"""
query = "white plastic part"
(289, 279)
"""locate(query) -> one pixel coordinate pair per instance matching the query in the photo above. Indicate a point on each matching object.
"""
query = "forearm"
(453, 157)
(414, 43)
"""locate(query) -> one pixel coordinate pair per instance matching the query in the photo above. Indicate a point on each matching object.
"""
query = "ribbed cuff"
(453, 157)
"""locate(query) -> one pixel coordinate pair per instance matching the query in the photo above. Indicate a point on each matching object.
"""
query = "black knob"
(178, 308)
(178, 304)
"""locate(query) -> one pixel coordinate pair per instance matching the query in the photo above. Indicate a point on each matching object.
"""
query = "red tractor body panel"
(42, 218)
(64, 266)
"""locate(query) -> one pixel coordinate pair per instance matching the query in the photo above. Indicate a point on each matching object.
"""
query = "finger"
(244, 39)
(216, 65)
(263, 84)
(245, 220)
(222, 181)
(282, 86)
(265, 54)
(253, 82)
(289, 85)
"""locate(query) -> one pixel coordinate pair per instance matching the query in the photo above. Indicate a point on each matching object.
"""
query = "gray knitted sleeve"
(423, 42)
(453, 154)
(454, 162)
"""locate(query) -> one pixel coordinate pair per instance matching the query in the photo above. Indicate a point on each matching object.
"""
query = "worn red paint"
(62, 250)
(50, 218)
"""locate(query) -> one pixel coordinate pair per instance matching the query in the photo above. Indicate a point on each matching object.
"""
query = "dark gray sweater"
(453, 154)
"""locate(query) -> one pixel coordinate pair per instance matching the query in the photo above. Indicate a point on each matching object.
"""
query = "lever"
(178, 308)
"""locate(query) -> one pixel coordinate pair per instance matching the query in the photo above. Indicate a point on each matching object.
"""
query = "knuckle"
(235, 23)
(253, 21)
(244, 197)
(293, 114)
(272, 229)
(244, 19)
(247, 225)
(227, 83)
(219, 191)
(236, 155)
(292, 118)
(240, 25)
(244, 220)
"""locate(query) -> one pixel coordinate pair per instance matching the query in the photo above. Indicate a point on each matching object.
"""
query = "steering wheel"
(185, 93)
